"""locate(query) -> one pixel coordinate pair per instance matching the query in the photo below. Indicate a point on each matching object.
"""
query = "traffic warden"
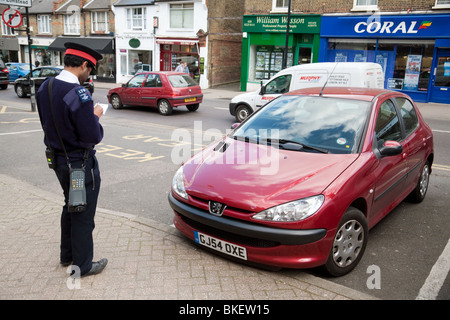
(72, 129)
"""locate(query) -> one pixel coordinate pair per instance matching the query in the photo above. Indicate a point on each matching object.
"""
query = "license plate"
(190, 99)
(220, 245)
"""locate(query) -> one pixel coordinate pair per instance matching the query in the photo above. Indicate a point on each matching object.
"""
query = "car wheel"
(242, 112)
(20, 91)
(418, 194)
(193, 107)
(4, 86)
(164, 107)
(349, 243)
(116, 102)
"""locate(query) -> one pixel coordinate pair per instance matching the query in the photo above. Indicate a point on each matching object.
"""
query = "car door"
(390, 170)
(273, 89)
(44, 74)
(131, 93)
(151, 90)
(13, 72)
(26, 83)
(415, 139)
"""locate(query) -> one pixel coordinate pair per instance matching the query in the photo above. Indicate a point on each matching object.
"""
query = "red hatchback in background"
(163, 90)
(300, 182)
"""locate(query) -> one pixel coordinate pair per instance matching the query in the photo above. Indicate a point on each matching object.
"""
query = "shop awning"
(179, 41)
(102, 45)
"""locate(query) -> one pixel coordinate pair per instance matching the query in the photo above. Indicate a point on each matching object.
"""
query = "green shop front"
(264, 45)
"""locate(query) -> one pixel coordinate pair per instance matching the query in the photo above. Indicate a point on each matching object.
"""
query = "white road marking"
(19, 132)
(441, 131)
(437, 276)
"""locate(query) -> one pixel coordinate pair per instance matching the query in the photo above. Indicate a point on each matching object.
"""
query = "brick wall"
(225, 41)
(337, 6)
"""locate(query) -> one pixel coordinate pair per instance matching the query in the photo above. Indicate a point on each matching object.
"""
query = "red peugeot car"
(163, 90)
(301, 181)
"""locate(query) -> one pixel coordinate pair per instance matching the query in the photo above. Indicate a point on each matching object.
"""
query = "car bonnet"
(254, 177)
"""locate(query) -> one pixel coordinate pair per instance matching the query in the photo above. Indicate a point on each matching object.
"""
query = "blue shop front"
(413, 49)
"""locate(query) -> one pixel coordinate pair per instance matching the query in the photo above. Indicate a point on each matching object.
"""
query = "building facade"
(412, 44)
(52, 23)
(410, 40)
(245, 41)
(158, 35)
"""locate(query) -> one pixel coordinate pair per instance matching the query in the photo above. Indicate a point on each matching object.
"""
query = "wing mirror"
(391, 148)
(235, 125)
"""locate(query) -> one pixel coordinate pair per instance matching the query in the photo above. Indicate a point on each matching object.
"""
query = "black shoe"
(97, 267)
(65, 264)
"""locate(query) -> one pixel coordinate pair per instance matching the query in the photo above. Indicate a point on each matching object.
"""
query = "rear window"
(181, 81)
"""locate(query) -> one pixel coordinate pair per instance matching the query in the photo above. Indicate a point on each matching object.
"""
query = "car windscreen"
(307, 123)
(181, 81)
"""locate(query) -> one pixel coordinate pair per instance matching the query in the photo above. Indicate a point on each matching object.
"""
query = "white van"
(338, 74)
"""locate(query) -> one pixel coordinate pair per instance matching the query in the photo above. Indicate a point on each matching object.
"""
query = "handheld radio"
(77, 190)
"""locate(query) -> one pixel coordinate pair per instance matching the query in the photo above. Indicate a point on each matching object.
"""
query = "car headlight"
(292, 211)
(178, 183)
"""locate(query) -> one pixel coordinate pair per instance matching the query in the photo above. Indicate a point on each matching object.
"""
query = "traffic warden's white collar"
(68, 76)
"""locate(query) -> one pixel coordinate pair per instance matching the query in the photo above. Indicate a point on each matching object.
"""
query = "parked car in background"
(17, 70)
(300, 182)
(164, 90)
(22, 86)
(4, 75)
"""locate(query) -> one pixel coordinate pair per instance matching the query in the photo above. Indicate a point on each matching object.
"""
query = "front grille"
(228, 236)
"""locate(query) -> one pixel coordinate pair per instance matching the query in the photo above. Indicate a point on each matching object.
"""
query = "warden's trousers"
(76, 227)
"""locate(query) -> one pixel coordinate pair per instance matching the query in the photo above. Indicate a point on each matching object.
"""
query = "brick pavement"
(147, 260)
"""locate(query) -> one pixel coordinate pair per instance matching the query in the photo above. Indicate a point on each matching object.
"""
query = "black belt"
(61, 153)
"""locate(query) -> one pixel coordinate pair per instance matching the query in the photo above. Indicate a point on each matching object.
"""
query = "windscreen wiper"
(294, 145)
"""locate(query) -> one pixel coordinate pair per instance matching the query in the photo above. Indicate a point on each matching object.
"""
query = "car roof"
(162, 72)
(365, 94)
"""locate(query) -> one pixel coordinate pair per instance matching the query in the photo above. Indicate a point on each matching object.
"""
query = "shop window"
(123, 64)
(172, 55)
(182, 16)
(137, 60)
(351, 50)
(44, 57)
(406, 63)
(266, 61)
(106, 67)
(410, 70)
(443, 72)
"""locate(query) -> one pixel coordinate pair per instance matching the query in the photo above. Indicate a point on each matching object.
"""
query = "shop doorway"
(304, 55)
(440, 88)
(172, 55)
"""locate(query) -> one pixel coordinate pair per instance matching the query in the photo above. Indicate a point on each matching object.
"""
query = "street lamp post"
(287, 36)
